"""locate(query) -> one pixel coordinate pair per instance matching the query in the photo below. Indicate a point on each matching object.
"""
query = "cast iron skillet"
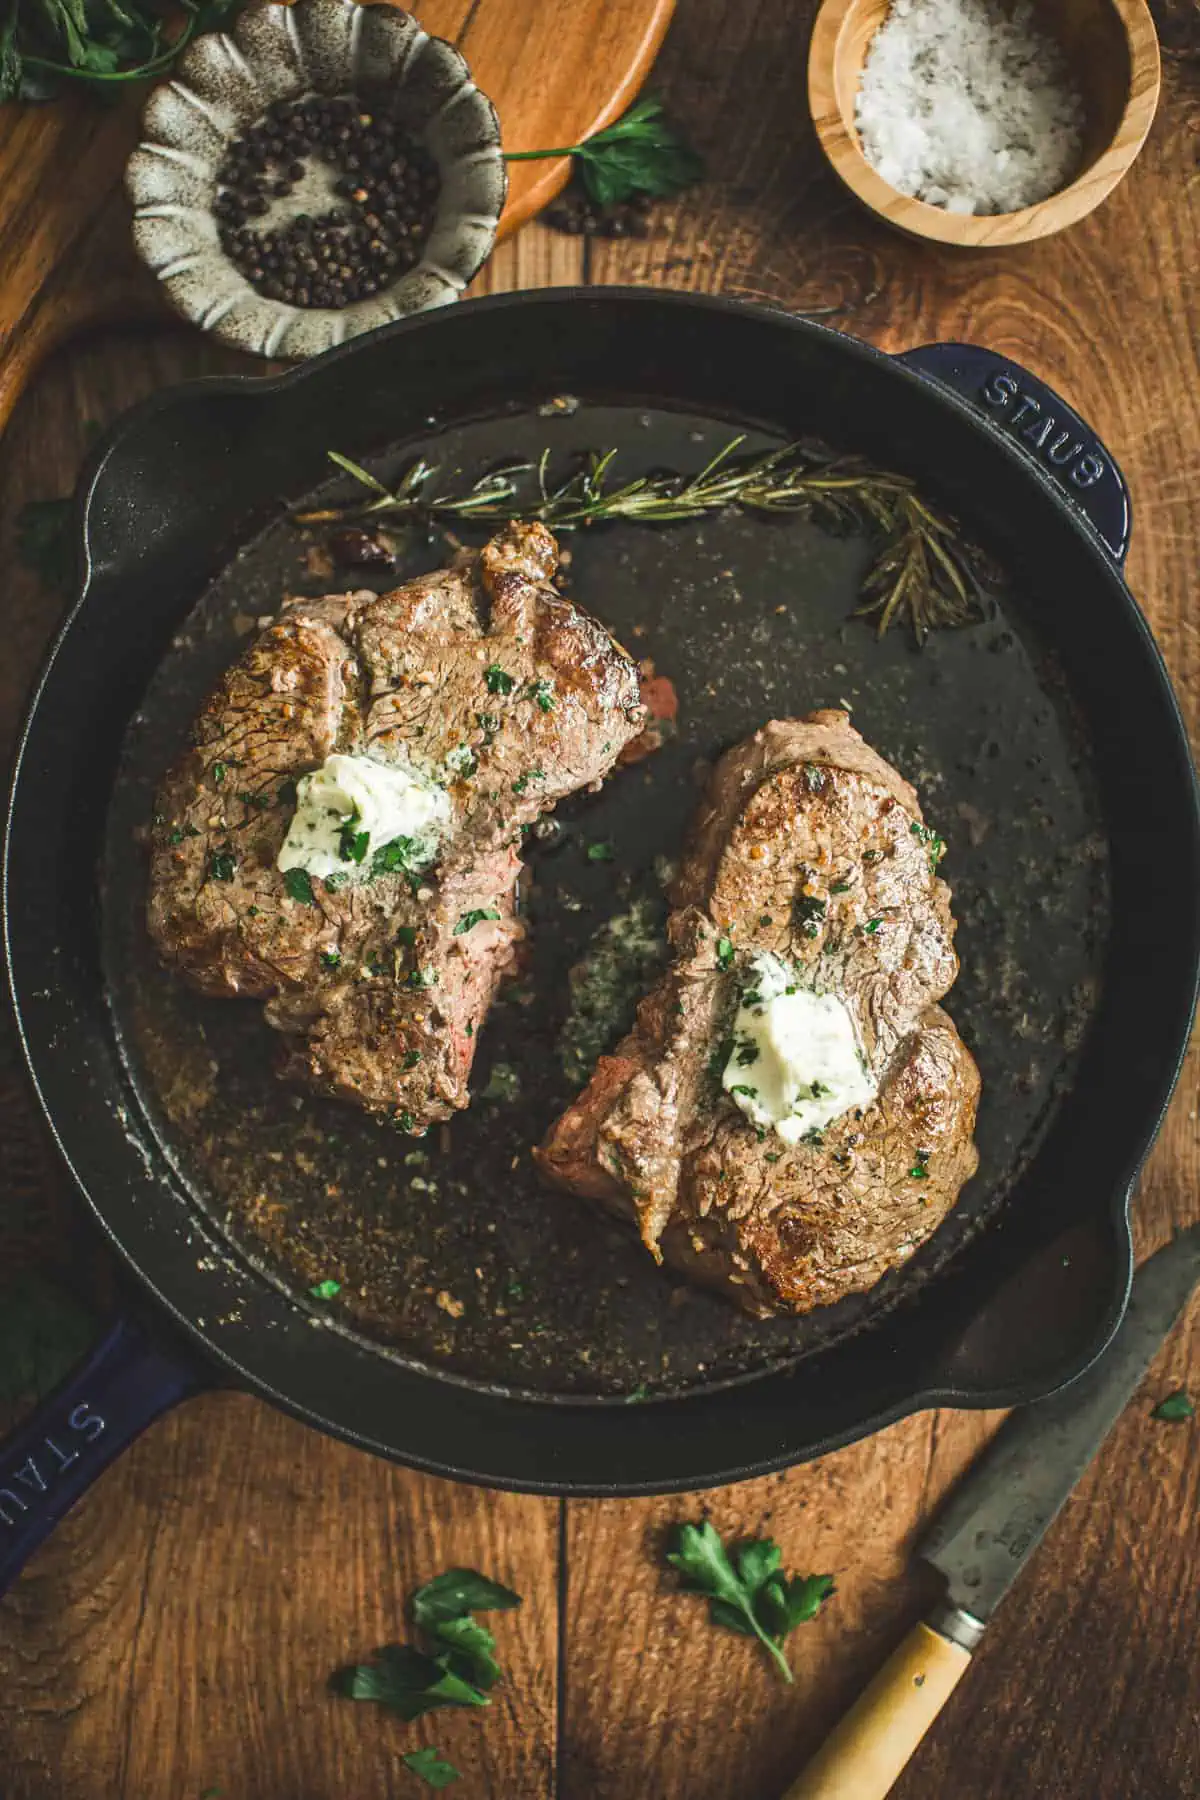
(996, 1314)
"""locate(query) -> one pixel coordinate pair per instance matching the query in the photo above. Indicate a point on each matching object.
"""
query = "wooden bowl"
(1112, 49)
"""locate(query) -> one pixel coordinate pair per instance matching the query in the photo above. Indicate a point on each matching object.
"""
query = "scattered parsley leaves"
(352, 845)
(458, 1670)
(807, 913)
(434, 1771)
(408, 1682)
(746, 1588)
(298, 886)
(476, 916)
(1176, 1408)
(401, 854)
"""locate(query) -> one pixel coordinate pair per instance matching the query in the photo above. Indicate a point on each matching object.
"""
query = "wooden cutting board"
(555, 69)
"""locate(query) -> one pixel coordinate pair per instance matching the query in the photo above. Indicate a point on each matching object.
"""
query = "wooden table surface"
(175, 1637)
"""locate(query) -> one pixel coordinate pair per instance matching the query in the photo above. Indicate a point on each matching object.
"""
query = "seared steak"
(481, 679)
(811, 849)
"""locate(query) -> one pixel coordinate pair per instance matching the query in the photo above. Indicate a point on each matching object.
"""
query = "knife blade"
(1002, 1508)
(988, 1530)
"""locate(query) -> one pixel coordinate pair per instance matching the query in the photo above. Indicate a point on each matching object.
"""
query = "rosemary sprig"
(639, 154)
(925, 572)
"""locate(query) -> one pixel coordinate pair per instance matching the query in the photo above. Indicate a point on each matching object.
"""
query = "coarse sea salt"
(968, 107)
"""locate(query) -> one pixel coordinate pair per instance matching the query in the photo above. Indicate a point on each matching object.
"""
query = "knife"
(987, 1532)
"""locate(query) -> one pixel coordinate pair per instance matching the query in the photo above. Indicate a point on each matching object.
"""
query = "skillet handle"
(55, 1455)
(1049, 431)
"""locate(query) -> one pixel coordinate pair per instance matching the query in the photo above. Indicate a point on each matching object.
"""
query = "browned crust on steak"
(404, 675)
(804, 811)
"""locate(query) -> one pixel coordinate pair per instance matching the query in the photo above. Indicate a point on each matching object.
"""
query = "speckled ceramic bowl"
(224, 84)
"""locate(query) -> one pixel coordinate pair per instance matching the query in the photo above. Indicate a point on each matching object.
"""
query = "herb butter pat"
(796, 1065)
(352, 798)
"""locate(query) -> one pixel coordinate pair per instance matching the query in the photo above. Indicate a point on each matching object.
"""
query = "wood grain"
(177, 1635)
(1112, 51)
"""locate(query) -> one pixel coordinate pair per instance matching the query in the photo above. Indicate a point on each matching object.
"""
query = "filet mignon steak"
(809, 849)
(481, 679)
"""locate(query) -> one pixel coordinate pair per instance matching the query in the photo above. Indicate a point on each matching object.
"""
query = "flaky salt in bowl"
(950, 119)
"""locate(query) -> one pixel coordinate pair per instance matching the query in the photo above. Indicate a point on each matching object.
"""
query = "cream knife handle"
(864, 1755)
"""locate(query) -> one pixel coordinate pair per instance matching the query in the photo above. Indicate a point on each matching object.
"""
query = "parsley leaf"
(325, 1290)
(433, 1770)
(412, 1682)
(476, 916)
(403, 854)
(600, 852)
(543, 693)
(748, 1592)
(298, 886)
(724, 953)
(458, 1592)
(219, 772)
(499, 681)
(408, 1682)
(331, 958)
(1175, 1408)
(222, 864)
(352, 845)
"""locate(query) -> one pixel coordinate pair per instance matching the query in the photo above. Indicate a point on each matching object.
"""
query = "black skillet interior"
(484, 1326)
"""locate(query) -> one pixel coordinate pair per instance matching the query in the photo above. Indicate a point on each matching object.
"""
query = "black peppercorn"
(385, 189)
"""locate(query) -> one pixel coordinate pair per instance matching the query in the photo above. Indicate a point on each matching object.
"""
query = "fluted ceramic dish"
(224, 84)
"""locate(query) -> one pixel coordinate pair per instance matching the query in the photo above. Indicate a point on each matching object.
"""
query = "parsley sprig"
(746, 1588)
(640, 154)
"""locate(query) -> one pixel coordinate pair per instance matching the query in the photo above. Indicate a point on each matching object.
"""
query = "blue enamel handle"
(72, 1437)
(1045, 427)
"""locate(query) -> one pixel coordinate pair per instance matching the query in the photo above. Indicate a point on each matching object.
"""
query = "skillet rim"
(1116, 1202)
